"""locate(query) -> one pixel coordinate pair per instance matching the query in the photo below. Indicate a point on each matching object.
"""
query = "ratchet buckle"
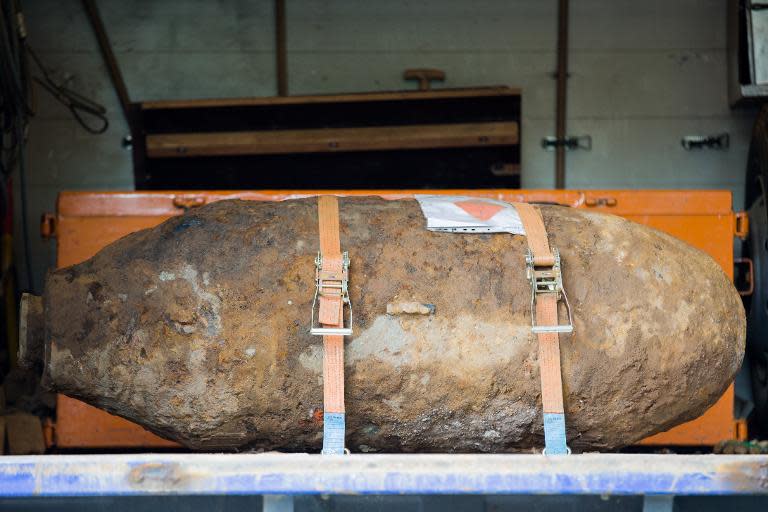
(547, 279)
(332, 284)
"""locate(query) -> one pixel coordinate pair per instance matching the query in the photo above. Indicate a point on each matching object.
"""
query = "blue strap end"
(554, 434)
(333, 433)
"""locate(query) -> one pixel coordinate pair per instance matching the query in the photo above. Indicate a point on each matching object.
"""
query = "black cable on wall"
(17, 107)
(15, 111)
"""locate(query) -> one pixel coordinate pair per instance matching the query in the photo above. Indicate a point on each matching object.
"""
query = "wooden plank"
(332, 140)
(470, 92)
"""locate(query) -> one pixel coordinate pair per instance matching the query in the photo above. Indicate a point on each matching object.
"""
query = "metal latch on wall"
(741, 225)
(570, 143)
(336, 285)
(719, 141)
(48, 225)
(547, 279)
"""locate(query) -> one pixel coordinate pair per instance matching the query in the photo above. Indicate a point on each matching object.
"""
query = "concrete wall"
(643, 74)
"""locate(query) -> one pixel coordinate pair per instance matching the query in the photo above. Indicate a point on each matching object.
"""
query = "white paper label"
(463, 214)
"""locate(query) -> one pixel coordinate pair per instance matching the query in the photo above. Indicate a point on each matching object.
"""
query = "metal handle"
(330, 331)
(543, 329)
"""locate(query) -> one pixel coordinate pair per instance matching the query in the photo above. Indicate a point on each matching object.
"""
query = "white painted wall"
(643, 74)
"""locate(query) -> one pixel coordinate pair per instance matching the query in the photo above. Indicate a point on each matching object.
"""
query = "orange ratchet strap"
(331, 295)
(544, 273)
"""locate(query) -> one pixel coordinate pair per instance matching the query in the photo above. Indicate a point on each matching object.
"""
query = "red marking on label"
(479, 209)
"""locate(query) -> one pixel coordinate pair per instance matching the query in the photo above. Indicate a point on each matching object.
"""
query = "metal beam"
(113, 68)
(562, 91)
(281, 52)
(288, 474)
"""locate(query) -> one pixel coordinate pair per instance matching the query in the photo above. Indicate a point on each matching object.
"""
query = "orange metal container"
(87, 221)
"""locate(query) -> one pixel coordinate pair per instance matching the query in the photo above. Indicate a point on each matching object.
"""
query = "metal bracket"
(741, 225)
(747, 276)
(574, 142)
(719, 141)
(127, 142)
(547, 279)
(339, 283)
(48, 224)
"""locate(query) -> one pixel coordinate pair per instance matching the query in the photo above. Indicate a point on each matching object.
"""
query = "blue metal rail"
(289, 474)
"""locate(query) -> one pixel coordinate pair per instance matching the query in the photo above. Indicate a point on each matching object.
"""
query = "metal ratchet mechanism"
(332, 284)
(547, 279)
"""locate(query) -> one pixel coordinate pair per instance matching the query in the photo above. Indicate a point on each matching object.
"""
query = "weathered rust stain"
(156, 474)
(410, 308)
(745, 475)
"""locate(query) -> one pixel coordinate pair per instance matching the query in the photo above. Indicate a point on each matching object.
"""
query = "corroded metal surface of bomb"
(198, 330)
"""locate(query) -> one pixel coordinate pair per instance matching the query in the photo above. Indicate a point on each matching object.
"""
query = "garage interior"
(119, 115)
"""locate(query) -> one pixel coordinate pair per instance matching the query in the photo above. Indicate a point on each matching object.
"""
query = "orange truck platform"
(85, 222)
